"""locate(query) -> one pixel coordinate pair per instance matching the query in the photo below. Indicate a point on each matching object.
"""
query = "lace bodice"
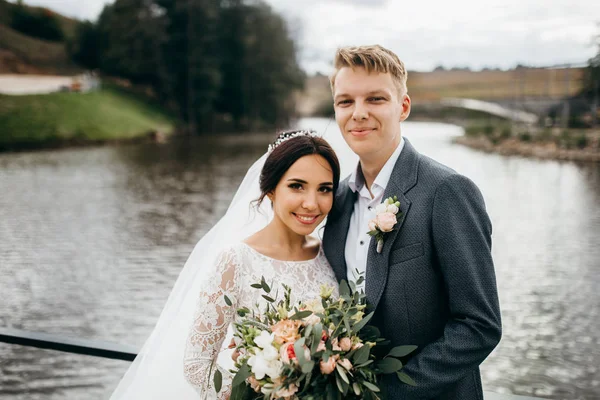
(237, 268)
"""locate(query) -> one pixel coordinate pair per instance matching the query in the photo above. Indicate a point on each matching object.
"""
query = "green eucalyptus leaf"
(299, 350)
(241, 376)
(344, 288)
(308, 367)
(227, 301)
(362, 355)
(256, 286)
(218, 380)
(360, 324)
(364, 364)
(301, 314)
(406, 379)
(264, 285)
(402, 351)
(308, 331)
(340, 370)
(370, 386)
(389, 365)
(269, 299)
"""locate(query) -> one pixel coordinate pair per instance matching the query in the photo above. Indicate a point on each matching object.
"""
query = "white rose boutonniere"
(386, 218)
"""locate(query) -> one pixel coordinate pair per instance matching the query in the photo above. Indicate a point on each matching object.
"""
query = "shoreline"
(74, 143)
(538, 150)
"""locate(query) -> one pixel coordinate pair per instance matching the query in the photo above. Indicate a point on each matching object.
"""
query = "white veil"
(157, 372)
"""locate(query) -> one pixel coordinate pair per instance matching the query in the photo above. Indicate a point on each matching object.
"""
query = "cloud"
(459, 33)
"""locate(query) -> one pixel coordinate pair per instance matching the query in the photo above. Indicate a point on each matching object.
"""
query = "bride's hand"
(235, 354)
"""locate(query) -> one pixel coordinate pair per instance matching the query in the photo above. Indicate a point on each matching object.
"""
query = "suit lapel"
(336, 231)
(403, 178)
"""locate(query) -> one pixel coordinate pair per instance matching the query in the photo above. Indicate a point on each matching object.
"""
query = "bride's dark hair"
(288, 148)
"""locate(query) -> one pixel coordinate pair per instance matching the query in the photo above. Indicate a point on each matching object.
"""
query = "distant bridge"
(491, 108)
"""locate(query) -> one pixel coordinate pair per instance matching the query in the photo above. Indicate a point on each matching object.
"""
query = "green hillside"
(22, 53)
(53, 119)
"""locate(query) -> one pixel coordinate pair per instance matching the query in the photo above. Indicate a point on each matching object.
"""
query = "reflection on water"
(91, 241)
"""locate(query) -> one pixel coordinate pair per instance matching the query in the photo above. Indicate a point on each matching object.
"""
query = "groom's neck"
(372, 165)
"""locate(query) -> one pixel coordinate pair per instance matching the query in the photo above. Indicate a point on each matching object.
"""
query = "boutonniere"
(386, 218)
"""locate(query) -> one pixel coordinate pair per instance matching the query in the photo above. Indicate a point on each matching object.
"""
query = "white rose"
(392, 209)
(270, 353)
(315, 305)
(381, 208)
(258, 365)
(312, 319)
(262, 364)
(274, 370)
(264, 339)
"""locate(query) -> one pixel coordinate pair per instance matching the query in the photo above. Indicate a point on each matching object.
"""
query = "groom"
(433, 283)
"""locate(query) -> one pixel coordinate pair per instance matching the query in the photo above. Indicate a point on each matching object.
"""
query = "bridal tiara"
(287, 135)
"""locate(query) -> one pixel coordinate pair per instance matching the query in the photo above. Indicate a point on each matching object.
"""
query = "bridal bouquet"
(321, 349)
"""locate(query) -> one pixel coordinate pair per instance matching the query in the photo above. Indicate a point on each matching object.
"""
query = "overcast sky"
(425, 34)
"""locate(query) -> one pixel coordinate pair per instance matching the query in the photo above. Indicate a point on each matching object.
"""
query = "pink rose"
(345, 344)
(372, 225)
(346, 364)
(254, 384)
(328, 367)
(386, 221)
(335, 346)
(284, 392)
(312, 319)
(286, 331)
(287, 353)
(357, 346)
(321, 346)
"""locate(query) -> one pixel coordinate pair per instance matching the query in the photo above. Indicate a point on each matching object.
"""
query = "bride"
(299, 175)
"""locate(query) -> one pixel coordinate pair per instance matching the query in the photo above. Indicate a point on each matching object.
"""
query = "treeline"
(37, 22)
(216, 63)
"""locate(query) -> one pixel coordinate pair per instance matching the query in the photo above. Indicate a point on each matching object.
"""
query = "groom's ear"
(405, 107)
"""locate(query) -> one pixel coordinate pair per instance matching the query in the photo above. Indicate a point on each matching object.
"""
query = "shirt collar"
(357, 180)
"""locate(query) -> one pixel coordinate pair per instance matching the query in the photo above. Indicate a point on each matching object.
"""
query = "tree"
(41, 23)
(261, 70)
(209, 60)
(592, 73)
(130, 33)
(84, 48)
(591, 83)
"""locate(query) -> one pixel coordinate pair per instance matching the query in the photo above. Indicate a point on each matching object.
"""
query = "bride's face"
(304, 195)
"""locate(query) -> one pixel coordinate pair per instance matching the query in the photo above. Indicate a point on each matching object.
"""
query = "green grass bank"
(61, 119)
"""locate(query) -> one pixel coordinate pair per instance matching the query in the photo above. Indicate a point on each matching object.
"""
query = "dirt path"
(32, 84)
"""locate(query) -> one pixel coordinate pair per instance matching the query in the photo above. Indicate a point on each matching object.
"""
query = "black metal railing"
(70, 345)
(117, 351)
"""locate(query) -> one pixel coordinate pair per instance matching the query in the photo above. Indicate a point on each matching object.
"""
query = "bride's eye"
(295, 186)
(326, 189)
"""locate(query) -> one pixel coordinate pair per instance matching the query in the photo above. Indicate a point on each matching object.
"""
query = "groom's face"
(368, 110)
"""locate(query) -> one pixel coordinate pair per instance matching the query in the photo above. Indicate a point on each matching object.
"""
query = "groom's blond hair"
(374, 58)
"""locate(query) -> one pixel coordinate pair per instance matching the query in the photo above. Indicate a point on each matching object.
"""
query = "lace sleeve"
(211, 319)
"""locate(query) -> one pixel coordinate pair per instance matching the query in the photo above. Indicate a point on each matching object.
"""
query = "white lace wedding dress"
(238, 267)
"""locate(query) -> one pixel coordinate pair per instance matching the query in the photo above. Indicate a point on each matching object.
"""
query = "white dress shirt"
(357, 241)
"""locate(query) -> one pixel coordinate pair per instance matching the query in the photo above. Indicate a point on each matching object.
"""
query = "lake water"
(92, 239)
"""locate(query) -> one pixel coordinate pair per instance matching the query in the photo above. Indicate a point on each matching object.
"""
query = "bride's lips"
(306, 219)
(360, 132)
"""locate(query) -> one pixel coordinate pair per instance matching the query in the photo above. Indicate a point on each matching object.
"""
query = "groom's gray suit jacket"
(433, 285)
